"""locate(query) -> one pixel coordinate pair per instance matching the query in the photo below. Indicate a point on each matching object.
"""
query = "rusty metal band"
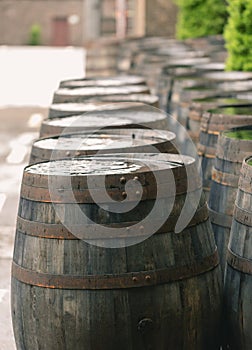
(89, 232)
(225, 179)
(245, 184)
(239, 263)
(40, 194)
(220, 219)
(119, 281)
(208, 152)
(243, 216)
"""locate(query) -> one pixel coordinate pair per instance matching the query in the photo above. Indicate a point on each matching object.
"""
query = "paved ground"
(28, 79)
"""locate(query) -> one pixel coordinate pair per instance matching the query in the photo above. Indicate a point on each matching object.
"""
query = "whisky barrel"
(208, 79)
(63, 95)
(67, 109)
(232, 147)
(238, 277)
(199, 105)
(102, 141)
(117, 80)
(135, 116)
(213, 122)
(164, 292)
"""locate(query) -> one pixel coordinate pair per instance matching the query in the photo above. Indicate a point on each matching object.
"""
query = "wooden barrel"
(103, 141)
(57, 110)
(135, 116)
(162, 293)
(117, 80)
(238, 276)
(233, 146)
(169, 71)
(63, 95)
(207, 78)
(199, 105)
(213, 122)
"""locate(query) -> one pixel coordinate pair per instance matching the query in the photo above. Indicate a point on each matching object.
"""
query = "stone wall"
(18, 16)
(160, 18)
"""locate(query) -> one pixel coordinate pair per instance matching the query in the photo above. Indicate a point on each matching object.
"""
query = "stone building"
(74, 22)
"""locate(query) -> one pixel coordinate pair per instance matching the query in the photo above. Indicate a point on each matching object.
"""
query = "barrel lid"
(116, 116)
(98, 90)
(103, 103)
(112, 172)
(233, 110)
(119, 80)
(108, 138)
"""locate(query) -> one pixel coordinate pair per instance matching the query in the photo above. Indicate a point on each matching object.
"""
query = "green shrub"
(199, 18)
(35, 35)
(238, 35)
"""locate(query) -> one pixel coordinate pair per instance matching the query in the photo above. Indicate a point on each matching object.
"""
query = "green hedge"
(199, 18)
(238, 35)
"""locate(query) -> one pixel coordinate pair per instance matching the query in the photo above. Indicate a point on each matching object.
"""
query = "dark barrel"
(63, 95)
(103, 141)
(233, 146)
(117, 80)
(162, 293)
(213, 122)
(238, 276)
(199, 105)
(66, 109)
(120, 117)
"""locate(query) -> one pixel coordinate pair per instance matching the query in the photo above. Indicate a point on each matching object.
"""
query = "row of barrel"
(161, 285)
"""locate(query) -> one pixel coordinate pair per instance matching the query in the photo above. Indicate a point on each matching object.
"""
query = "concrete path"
(28, 78)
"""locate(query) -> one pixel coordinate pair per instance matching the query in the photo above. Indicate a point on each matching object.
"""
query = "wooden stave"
(238, 274)
(213, 282)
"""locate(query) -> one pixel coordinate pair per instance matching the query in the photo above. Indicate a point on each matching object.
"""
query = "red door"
(60, 31)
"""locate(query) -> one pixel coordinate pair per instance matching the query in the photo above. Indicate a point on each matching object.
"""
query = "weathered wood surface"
(103, 141)
(117, 80)
(232, 147)
(163, 293)
(64, 95)
(213, 122)
(138, 116)
(238, 276)
(106, 102)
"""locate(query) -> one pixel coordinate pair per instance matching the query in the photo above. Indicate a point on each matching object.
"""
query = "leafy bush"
(238, 35)
(35, 35)
(199, 18)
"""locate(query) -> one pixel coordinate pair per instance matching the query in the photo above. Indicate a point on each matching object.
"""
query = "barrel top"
(109, 139)
(105, 102)
(228, 76)
(110, 164)
(233, 110)
(98, 119)
(243, 133)
(222, 100)
(99, 90)
(103, 81)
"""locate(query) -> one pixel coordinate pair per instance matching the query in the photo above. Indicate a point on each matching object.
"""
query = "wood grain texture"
(184, 314)
(238, 282)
